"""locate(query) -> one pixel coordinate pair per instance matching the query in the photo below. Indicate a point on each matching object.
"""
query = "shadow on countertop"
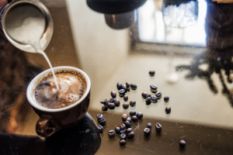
(81, 139)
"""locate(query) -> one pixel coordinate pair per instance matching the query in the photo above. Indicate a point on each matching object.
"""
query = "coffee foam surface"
(71, 88)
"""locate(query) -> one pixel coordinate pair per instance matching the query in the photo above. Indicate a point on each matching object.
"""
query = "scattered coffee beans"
(102, 121)
(125, 105)
(128, 130)
(99, 116)
(182, 144)
(127, 85)
(139, 115)
(148, 100)
(153, 88)
(131, 113)
(129, 119)
(104, 102)
(117, 130)
(132, 103)
(126, 98)
(100, 128)
(111, 133)
(147, 132)
(133, 86)
(131, 135)
(154, 99)
(168, 110)
(127, 124)
(111, 105)
(123, 126)
(119, 86)
(122, 142)
(158, 128)
(149, 125)
(124, 117)
(159, 95)
(152, 73)
(125, 130)
(104, 108)
(117, 103)
(113, 94)
(144, 95)
(123, 136)
(166, 99)
(134, 118)
(122, 92)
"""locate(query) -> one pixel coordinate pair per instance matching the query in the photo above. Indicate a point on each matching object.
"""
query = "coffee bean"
(104, 108)
(117, 130)
(123, 86)
(123, 136)
(113, 100)
(124, 117)
(100, 128)
(125, 105)
(134, 118)
(119, 86)
(158, 128)
(133, 86)
(154, 99)
(129, 119)
(111, 105)
(131, 135)
(104, 102)
(166, 99)
(117, 103)
(121, 95)
(123, 126)
(147, 132)
(131, 113)
(122, 142)
(168, 110)
(102, 121)
(152, 73)
(159, 95)
(132, 103)
(154, 91)
(148, 100)
(149, 125)
(127, 124)
(123, 131)
(122, 92)
(113, 94)
(128, 130)
(153, 87)
(111, 133)
(139, 115)
(127, 85)
(182, 144)
(99, 116)
(144, 95)
(126, 98)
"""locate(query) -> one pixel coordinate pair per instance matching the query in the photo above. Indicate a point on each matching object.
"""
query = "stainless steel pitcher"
(34, 4)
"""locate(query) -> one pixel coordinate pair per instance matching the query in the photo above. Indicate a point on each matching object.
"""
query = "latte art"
(71, 88)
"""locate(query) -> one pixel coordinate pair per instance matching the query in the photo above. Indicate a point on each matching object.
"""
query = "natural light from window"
(157, 25)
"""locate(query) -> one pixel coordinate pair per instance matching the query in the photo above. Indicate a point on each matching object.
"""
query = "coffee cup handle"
(45, 127)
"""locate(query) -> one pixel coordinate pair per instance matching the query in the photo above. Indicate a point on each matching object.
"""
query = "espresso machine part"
(27, 21)
(120, 21)
(119, 14)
